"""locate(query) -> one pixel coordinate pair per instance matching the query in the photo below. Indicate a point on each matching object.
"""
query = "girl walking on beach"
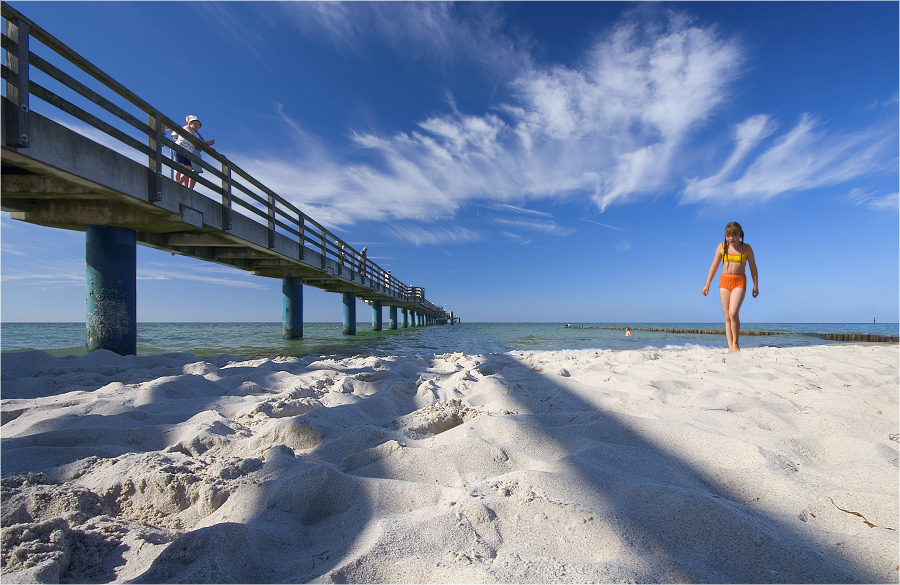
(735, 255)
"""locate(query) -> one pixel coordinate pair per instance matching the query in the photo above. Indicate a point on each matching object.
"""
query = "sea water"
(264, 339)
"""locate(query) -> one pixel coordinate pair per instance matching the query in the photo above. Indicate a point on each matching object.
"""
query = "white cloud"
(609, 130)
(890, 202)
(516, 237)
(885, 202)
(431, 235)
(547, 227)
(169, 274)
(521, 210)
(804, 158)
(614, 129)
(612, 227)
(436, 32)
(48, 275)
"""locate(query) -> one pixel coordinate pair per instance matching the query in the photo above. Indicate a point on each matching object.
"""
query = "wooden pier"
(123, 196)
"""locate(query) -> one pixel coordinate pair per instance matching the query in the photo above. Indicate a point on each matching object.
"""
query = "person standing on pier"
(193, 126)
(735, 255)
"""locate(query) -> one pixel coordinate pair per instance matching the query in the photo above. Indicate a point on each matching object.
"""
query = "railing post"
(324, 248)
(226, 196)
(16, 119)
(155, 142)
(270, 211)
(302, 237)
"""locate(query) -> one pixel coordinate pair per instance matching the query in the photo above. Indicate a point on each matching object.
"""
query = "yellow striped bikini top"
(732, 258)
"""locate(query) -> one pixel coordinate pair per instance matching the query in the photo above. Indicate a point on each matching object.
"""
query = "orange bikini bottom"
(733, 281)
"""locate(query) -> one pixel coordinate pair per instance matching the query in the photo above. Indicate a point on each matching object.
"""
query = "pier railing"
(101, 108)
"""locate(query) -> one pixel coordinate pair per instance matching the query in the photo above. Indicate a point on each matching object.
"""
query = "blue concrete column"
(376, 316)
(111, 265)
(349, 313)
(405, 314)
(393, 317)
(291, 307)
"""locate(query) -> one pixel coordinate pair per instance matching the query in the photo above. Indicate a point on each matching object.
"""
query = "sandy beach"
(696, 465)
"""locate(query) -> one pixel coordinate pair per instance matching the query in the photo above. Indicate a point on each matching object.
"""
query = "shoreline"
(261, 339)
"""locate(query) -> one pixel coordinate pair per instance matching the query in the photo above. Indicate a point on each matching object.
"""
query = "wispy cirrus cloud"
(612, 227)
(547, 227)
(215, 275)
(616, 126)
(516, 238)
(889, 202)
(610, 130)
(516, 209)
(805, 157)
(67, 273)
(47, 275)
(441, 33)
(419, 236)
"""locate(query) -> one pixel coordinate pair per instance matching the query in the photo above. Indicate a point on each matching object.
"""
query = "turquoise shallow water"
(264, 339)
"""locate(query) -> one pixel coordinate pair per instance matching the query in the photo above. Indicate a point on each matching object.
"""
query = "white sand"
(775, 465)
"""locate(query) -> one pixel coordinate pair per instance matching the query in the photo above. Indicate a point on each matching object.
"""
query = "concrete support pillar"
(376, 316)
(292, 307)
(349, 313)
(111, 265)
(392, 312)
(405, 314)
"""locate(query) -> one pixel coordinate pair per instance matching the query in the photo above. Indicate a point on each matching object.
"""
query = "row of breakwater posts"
(854, 337)
(120, 194)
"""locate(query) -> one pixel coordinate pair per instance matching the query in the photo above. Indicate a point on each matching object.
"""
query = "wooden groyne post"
(831, 336)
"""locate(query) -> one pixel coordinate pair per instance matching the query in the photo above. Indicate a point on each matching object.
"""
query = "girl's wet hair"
(732, 228)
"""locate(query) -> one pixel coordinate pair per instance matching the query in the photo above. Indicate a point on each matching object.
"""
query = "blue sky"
(535, 161)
